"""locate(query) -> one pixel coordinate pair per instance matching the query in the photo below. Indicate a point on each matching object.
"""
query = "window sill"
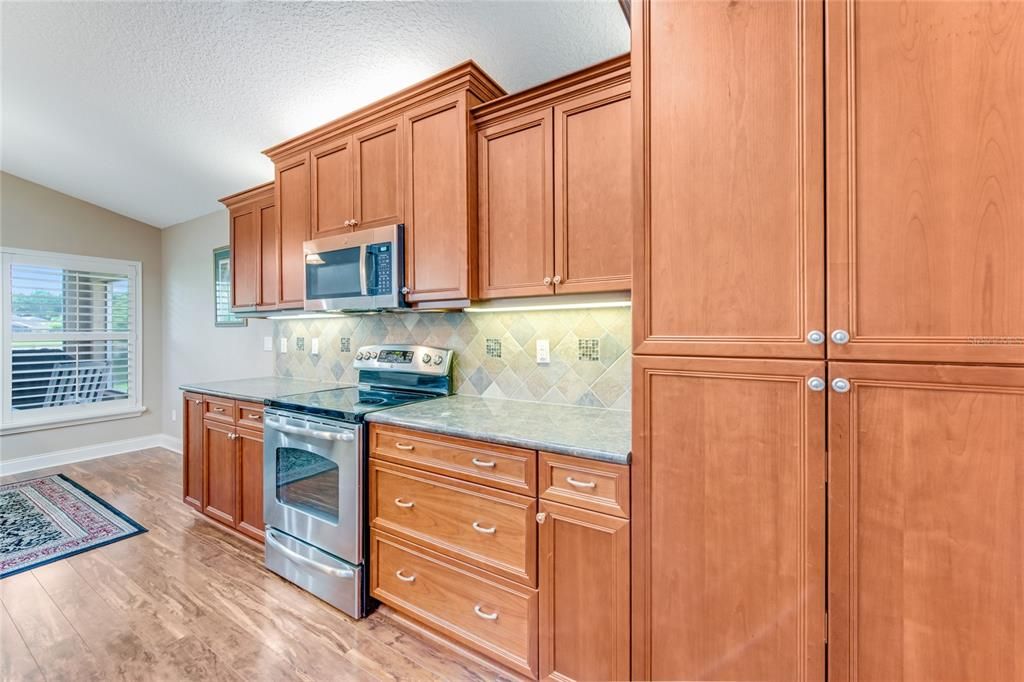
(67, 420)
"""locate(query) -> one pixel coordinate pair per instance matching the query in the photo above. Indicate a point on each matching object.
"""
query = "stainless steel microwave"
(362, 270)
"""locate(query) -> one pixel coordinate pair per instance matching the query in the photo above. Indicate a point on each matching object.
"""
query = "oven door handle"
(312, 433)
(297, 558)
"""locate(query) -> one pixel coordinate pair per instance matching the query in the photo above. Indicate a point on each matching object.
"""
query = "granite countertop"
(589, 432)
(260, 388)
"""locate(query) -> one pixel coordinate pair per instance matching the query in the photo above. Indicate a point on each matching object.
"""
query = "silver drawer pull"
(405, 578)
(404, 505)
(481, 463)
(218, 409)
(405, 446)
(579, 484)
(483, 614)
(480, 529)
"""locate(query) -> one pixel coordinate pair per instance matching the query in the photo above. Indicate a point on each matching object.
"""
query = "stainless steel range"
(315, 467)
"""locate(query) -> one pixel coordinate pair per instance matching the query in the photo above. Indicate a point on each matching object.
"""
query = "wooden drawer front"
(249, 415)
(512, 469)
(585, 483)
(488, 528)
(458, 600)
(219, 409)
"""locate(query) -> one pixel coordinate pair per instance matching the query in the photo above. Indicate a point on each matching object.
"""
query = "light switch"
(314, 346)
(268, 343)
(174, 415)
(543, 352)
(284, 344)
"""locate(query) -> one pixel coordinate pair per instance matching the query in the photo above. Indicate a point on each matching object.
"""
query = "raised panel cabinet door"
(332, 187)
(379, 174)
(245, 257)
(728, 519)
(925, 166)
(593, 193)
(192, 450)
(926, 531)
(516, 207)
(220, 472)
(266, 214)
(584, 594)
(439, 218)
(250, 483)
(291, 197)
(729, 252)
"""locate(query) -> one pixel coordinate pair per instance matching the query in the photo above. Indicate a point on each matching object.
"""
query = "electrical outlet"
(268, 343)
(314, 346)
(174, 415)
(284, 344)
(543, 352)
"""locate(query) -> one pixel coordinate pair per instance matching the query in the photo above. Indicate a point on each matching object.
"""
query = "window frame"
(12, 421)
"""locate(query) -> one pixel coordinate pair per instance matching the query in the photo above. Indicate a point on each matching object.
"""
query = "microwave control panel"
(380, 278)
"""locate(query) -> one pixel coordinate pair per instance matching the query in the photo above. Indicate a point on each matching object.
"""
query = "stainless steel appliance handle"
(312, 433)
(297, 558)
(362, 269)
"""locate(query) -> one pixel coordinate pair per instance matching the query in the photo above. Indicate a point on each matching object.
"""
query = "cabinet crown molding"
(257, 193)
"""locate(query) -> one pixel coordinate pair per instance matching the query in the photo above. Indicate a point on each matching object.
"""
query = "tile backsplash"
(495, 352)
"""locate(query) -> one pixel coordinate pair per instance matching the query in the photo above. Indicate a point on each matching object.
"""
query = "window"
(71, 341)
(222, 315)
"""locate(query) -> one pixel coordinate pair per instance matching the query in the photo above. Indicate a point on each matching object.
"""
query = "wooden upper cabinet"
(516, 206)
(926, 166)
(292, 200)
(266, 216)
(728, 158)
(926, 534)
(728, 516)
(331, 187)
(439, 220)
(379, 174)
(593, 191)
(245, 257)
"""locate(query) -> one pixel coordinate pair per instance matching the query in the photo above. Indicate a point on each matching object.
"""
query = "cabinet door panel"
(593, 198)
(516, 207)
(926, 162)
(379, 175)
(192, 450)
(267, 215)
(728, 106)
(245, 257)
(584, 592)
(331, 187)
(728, 520)
(250, 483)
(439, 230)
(220, 472)
(926, 534)
(292, 200)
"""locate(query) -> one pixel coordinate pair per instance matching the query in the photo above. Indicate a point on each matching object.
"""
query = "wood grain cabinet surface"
(252, 233)
(332, 189)
(291, 187)
(220, 472)
(379, 174)
(192, 450)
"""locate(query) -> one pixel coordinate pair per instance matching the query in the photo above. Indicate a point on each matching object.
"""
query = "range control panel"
(405, 358)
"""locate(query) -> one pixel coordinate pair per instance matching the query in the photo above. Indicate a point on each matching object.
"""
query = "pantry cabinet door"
(516, 207)
(728, 163)
(925, 170)
(728, 517)
(331, 187)
(291, 196)
(379, 193)
(926, 530)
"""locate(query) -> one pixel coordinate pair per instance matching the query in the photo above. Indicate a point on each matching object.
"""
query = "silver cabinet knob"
(840, 336)
(354, 222)
(547, 281)
(816, 336)
(840, 385)
(557, 279)
(816, 384)
(406, 290)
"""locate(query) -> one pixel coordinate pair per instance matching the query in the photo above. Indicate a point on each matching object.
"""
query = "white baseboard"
(61, 457)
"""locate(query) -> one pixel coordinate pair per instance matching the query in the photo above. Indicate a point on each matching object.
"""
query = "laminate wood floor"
(191, 600)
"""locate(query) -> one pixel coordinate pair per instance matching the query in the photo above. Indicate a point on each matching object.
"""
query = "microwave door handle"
(312, 433)
(297, 558)
(362, 270)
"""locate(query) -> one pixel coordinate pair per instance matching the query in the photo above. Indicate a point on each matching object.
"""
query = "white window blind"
(71, 347)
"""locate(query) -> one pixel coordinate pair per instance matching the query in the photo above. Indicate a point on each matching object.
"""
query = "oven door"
(313, 473)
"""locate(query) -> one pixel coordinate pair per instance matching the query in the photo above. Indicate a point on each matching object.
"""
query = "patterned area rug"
(51, 518)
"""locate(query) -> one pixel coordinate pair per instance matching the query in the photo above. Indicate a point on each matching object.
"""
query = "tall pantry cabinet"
(862, 373)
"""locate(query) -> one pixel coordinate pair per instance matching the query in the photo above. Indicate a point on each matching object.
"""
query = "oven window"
(336, 277)
(307, 482)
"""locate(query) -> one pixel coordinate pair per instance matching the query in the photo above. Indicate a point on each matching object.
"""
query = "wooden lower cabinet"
(584, 594)
(250, 483)
(192, 451)
(926, 531)
(220, 472)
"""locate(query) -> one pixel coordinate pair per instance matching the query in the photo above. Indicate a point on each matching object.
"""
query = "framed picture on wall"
(223, 317)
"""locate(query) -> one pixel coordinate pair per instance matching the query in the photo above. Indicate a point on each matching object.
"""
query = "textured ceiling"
(156, 109)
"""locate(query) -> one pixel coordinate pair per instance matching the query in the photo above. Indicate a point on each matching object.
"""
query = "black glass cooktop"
(348, 404)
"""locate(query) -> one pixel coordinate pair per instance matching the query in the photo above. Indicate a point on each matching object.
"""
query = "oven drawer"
(219, 409)
(249, 415)
(494, 616)
(598, 486)
(508, 468)
(338, 583)
(488, 528)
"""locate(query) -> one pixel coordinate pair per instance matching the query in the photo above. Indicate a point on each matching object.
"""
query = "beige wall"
(35, 217)
(194, 349)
